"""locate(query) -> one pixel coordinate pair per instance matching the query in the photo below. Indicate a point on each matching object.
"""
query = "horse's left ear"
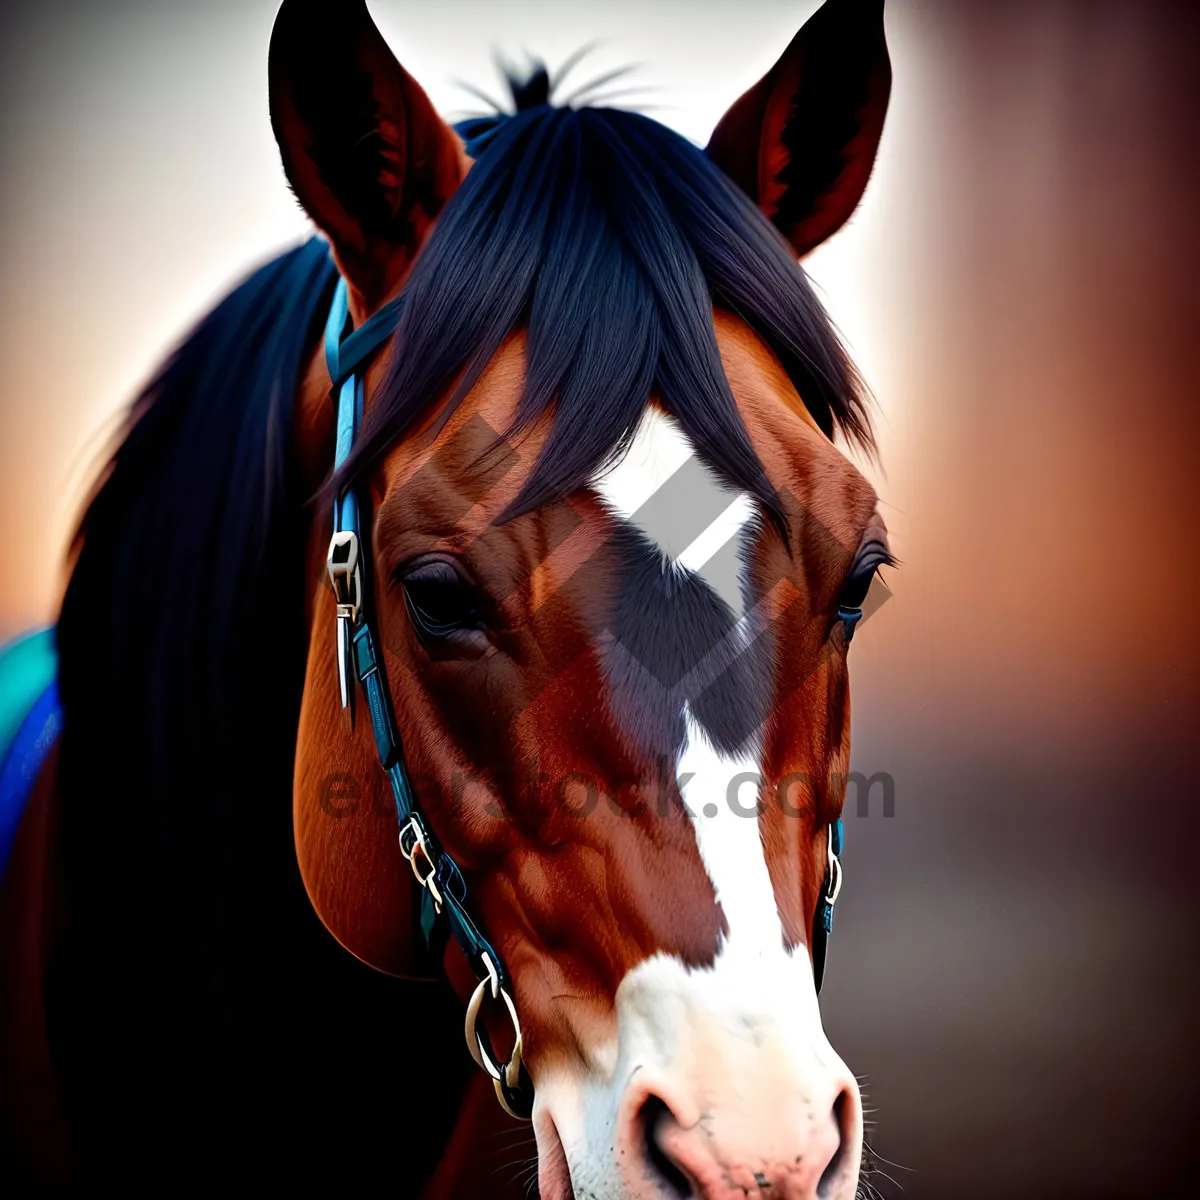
(363, 148)
(802, 141)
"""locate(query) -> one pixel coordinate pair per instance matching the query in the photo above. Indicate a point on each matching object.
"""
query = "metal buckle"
(417, 846)
(502, 1075)
(343, 563)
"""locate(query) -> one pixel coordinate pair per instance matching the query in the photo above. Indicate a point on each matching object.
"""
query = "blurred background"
(1014, 970)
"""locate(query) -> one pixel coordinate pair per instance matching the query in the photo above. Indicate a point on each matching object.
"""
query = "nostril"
(841, 1116)
(655, 1116)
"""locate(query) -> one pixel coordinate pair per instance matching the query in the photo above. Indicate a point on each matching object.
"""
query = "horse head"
(615, 560)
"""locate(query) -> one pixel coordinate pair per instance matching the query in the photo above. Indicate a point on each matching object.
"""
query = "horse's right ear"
(801, 142)
(363, 148)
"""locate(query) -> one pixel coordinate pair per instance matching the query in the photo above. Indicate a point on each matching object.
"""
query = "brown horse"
(615, 559)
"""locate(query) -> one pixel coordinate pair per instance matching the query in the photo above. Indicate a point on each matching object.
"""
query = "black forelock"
(608, 238)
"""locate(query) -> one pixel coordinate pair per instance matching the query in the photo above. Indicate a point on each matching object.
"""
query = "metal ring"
(509, 1071)
(428, 880)
(512, 1080)
(408, 826)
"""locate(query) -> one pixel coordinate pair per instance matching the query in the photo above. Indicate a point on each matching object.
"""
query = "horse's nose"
(799, 1147)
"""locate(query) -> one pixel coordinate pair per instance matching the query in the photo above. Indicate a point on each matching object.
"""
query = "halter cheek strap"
(849, 615)
(443, 888)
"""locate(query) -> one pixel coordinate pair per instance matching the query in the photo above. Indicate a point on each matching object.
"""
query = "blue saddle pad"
(30, 722)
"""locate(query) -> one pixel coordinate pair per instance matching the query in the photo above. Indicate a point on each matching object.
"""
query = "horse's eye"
(440, 602)
(854, 590)
(872, 554)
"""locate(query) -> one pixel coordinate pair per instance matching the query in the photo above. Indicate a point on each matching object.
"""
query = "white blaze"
(745, 1032)
(659, 450)
(720, 791)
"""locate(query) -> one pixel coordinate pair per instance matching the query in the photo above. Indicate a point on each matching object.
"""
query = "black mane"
(610, 238)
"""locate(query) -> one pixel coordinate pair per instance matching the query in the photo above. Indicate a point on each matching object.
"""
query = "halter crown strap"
(443, 888)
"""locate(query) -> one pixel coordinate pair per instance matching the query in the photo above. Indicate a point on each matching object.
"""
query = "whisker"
(531, 1188)
(898, 1166)
(515, 1172)
(870, 1171)
(876, 1171)
(517, 1131)
(519, 1149)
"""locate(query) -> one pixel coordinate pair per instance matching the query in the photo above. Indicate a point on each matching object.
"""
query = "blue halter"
(443, 889)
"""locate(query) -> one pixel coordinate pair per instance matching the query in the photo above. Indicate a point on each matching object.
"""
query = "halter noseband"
(443, 888)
